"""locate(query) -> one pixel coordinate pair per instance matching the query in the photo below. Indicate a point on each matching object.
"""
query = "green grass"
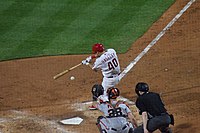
(30, 28)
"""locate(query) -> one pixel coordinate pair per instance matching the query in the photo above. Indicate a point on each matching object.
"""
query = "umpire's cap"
(141, 86)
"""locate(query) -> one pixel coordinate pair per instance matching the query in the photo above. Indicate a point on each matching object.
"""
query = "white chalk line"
(153, 42)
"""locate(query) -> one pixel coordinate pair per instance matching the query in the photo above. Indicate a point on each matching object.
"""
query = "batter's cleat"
(92, 107)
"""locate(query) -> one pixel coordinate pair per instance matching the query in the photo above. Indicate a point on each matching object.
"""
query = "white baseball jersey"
(108, 63)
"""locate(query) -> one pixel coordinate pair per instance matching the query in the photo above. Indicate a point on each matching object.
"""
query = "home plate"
(72, 121)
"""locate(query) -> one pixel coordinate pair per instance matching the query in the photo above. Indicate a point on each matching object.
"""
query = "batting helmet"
(98, 47)
(141, 86)
(113, 93)
(97, 90)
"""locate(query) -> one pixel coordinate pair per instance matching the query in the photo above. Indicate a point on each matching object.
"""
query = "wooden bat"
(66, 71)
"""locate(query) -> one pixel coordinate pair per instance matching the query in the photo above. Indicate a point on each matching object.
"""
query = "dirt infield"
(32, 102)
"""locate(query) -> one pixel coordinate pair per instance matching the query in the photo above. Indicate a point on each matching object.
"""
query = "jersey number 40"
(112, 64)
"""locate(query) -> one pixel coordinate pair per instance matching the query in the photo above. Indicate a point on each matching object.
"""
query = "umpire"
(151, 107)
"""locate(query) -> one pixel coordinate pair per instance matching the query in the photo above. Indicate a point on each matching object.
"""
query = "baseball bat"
(66, 71)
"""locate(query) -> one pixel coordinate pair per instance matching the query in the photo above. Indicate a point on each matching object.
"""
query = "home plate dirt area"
(31, 101)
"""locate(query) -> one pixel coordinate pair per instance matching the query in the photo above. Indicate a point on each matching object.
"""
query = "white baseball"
(72, 78)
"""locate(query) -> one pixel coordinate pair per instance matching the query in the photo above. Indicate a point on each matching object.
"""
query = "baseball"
(72, 78)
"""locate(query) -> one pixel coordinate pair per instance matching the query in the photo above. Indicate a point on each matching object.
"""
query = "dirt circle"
(32, 102)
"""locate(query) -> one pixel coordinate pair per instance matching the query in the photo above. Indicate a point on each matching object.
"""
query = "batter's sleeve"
(97, 64)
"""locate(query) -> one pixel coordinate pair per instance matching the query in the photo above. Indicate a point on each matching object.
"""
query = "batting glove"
(84, 62)
(88, 59)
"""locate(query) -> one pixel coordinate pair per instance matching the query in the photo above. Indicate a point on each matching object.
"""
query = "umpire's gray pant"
(158, 122)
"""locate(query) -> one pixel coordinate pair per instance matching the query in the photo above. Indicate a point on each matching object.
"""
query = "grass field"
(30, 28)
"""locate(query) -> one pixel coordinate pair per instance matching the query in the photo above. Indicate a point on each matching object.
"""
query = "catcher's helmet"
(113, 93)
(141, 86)
(98, 47)
(97, 90)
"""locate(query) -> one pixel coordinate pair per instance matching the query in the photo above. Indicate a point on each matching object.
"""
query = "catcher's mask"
(98, 47)
(141, 86)
(97, 90)
(113, 93)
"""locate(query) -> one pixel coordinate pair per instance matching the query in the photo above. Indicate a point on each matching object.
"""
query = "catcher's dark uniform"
(158, 118)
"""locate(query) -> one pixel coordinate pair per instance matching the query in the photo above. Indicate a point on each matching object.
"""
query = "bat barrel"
(64, 72)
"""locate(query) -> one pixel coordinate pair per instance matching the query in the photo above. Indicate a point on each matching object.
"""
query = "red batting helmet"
(98, 47)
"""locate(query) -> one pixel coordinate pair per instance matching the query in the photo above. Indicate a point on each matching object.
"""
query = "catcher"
(116, 113)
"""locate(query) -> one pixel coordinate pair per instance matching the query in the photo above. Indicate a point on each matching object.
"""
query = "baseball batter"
(116, 113)
(106, 61)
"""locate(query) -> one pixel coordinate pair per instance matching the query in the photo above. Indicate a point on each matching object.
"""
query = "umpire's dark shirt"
(151, 103)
